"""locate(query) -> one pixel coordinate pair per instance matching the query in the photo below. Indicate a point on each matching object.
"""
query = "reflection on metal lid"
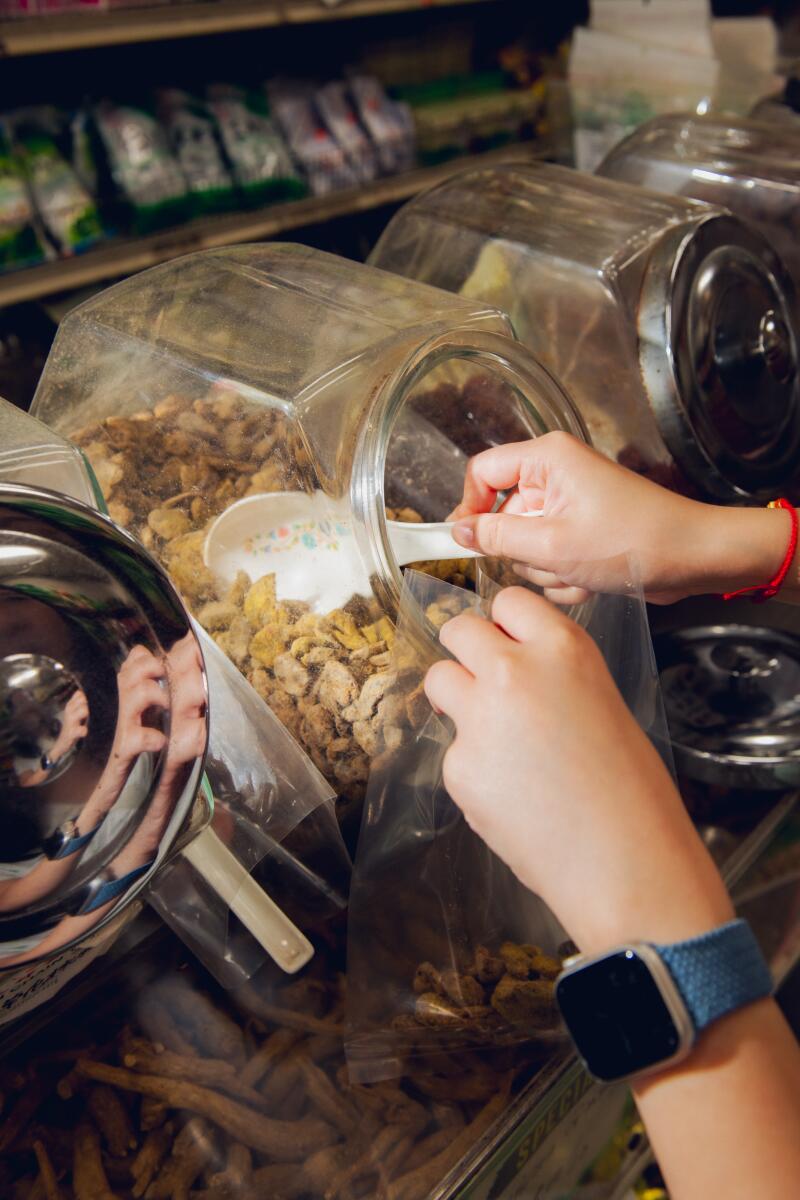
(103, 720)
(732, 695)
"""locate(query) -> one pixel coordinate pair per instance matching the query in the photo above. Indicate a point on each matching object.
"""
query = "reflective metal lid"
(103, 719)
(719, 358)
(732, 697)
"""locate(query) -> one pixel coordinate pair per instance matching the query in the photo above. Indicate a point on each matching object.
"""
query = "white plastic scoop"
(283, 941)
(307, 542)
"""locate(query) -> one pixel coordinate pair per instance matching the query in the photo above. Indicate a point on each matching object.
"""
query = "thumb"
(501, 535)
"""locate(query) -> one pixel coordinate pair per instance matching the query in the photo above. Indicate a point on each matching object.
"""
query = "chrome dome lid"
(732, 698)
(719, 358)
(103, 719)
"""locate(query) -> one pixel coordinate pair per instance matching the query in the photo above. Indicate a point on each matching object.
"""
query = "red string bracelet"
(759, 593)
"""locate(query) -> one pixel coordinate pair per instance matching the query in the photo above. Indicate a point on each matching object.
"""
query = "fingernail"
(464, 535)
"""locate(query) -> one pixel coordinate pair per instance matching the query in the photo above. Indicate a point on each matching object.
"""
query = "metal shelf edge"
(80, 31)
(125, 257)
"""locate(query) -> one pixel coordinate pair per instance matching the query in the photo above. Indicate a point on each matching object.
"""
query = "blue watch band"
(113, 888)
(718, 972)
(73, 844)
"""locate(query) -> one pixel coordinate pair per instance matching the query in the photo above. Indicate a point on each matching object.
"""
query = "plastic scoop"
(276, 932)
(307, 541)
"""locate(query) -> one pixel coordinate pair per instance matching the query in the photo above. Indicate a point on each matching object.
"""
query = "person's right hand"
(605, 528)
(139, 689)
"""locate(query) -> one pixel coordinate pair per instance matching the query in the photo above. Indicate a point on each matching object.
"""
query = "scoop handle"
(432, 542)
(269, 925)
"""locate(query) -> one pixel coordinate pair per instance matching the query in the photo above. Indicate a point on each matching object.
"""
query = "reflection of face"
(25, 622)
(51, 741)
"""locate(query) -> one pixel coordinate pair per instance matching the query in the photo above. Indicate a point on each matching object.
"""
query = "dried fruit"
(431, 1009)
(525, 1002)
(166, 473)
(482, 1001)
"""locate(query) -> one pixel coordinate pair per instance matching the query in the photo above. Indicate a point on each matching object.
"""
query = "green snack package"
(193, 137)
(68, 212)
(149, 180)
(20, 243)
(259, 158)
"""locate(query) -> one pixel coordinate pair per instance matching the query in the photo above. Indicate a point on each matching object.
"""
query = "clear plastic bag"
(450, 958)
(682, 25)
(617, 83)
(274, 813)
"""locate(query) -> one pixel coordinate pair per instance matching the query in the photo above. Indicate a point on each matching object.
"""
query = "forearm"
(726, 1121)
(731, 548)
(42, 881)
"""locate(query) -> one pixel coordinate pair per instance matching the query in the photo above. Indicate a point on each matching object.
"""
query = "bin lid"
(103, 716)
(719, 358)
(732, 698)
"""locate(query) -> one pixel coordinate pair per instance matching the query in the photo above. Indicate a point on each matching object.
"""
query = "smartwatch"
(641, 1007)
(106, 887)
(67, 840)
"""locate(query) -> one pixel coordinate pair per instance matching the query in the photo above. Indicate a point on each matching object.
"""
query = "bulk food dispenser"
(281, 370)
(104, 739)
(750, 167)
(250, 1095)
(671, 323)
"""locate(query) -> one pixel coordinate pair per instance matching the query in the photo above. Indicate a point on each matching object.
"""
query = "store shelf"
(123, 257)
(77, 31)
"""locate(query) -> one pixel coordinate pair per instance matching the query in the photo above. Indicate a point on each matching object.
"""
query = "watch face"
(617, 1016)
(54, 844)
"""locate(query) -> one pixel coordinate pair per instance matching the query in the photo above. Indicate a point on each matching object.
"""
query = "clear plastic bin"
(671, 323)
(31, 453)
(750, 167)
(278, 369)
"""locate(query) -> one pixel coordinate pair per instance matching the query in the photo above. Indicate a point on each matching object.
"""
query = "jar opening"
(453, 400)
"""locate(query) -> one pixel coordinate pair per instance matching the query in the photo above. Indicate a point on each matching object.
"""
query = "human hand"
(188, 731)
(74, 726)
(187, 741)
(601, 523)
(139, 689)
(551, 770)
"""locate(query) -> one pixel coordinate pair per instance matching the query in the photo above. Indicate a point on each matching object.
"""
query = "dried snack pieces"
(514, 985)
(166, 472)
(335, 1140)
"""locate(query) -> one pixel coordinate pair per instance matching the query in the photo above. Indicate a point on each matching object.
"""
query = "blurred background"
(131, 133)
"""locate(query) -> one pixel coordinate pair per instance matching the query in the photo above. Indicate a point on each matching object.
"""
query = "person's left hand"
(74, 726)
(551, 770)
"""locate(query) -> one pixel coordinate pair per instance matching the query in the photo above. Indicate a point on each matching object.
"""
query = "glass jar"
(750, 167)
(277, 369)
(778, 109)
(671, 323)
(31, 453)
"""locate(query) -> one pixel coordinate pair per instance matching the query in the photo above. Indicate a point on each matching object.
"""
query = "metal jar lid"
(103, 719)
(732, 698)
(719, 358)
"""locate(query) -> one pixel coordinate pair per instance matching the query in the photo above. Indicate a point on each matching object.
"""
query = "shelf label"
(531, 1164)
